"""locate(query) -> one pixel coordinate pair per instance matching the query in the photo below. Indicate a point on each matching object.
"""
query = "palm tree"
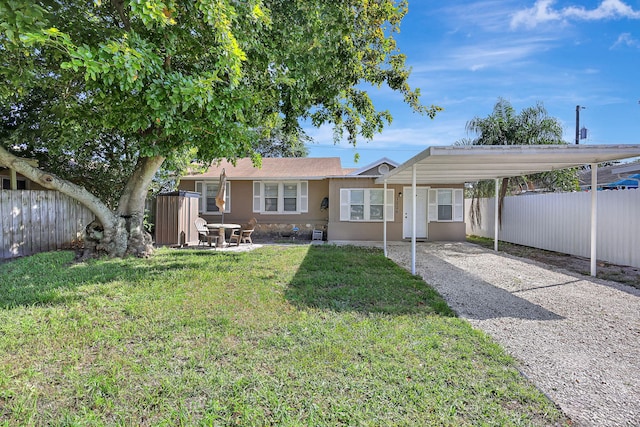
(504, 126)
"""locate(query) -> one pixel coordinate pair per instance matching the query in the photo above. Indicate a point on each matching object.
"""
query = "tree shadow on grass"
(358, 279)
(43, 278)
(471, 296)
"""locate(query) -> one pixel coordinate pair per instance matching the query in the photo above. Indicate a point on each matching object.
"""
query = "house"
(612, 177)
(318, 193)
(291, 192)
(11, 180)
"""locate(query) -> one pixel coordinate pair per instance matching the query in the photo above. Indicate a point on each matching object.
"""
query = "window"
(288, 197)
(365, 204)
(208, 191)
(21, 184)
(446, 205)
(271, 197)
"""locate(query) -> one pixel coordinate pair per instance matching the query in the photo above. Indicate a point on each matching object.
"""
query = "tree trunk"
(503, 193)
(132, 202)
(114, 234)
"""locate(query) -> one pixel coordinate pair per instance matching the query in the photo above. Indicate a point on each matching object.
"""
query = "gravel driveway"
(576, 338)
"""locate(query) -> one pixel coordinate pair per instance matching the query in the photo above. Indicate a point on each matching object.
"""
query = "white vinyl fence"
(561, 222)
(39, 221)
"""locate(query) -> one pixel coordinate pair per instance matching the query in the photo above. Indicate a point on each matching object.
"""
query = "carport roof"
(460, 164)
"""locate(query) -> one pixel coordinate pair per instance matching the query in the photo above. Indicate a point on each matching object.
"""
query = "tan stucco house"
(318, 193)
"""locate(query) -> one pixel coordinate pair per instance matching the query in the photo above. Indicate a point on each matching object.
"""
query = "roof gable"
(377, 168)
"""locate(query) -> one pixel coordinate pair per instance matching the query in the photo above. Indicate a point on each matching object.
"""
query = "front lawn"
(296, 335)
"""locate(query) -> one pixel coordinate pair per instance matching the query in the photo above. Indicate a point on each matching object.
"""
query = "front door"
(421, 212)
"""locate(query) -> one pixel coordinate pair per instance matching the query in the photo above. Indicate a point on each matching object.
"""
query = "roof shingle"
(276, 168)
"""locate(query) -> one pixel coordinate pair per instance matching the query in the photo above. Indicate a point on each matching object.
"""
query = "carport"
(462, 164)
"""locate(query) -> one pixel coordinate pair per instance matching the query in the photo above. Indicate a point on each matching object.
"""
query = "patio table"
(221, 230)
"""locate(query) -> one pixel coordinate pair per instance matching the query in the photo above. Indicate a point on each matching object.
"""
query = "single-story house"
(318, 193)
(352, 205)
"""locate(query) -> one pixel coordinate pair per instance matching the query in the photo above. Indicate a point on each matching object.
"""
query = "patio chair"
(204, 234)
(243, 235)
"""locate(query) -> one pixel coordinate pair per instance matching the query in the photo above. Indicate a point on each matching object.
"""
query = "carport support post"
(496, 224)
(384, 219)
(413, 219)
(594, 215)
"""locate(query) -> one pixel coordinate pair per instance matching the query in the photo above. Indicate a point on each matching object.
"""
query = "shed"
(175, 215)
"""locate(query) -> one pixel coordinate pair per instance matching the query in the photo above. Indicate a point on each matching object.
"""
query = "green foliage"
(268, 337)
(277, 142)
(532, 126)
(85, 80)
(166, 74)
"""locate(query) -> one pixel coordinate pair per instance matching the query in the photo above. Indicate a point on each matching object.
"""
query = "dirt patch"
(616, 273)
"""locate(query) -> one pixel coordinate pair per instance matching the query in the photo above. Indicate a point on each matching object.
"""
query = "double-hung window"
(286, 197)
(208, 192)
(365, 204)
(446, 205)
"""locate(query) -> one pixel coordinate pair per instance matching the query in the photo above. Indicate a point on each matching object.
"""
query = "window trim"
(345, 204)
(302, 197)
(202, 203)
(457, 205)
(20, 182)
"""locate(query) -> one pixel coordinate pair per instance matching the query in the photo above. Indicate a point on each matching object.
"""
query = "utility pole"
(578, 108)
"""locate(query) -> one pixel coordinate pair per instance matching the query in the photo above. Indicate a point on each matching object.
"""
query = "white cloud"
(625, 39)
(543, 12)
(486, 53)
(488, 15)
(607, 9)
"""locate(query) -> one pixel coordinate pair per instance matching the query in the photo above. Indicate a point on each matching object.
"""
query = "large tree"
(148, 81)
(504, 126)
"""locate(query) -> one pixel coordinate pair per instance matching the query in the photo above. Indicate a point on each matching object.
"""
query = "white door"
(421, 212)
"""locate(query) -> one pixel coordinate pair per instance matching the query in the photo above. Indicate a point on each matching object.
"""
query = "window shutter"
(227, 197)
(390, 205)
(201, 197)
(304, 196)
(256, 196)
(458, 205)
(344, 204)
(433, 205)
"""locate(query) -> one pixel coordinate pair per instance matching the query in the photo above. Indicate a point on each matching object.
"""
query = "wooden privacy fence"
(561, 222)
(39, 221)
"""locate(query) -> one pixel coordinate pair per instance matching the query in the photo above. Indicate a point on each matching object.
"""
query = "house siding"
(447, 231)
(328, 220)
(241, 212)
(360, 230)
(373, 231)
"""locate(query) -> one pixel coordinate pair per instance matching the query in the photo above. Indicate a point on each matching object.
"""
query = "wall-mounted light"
(400, 194)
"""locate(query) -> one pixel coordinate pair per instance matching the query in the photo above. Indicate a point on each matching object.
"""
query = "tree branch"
(119, 6)
(52, 182)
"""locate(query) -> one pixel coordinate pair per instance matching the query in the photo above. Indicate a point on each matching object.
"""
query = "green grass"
(287, 336)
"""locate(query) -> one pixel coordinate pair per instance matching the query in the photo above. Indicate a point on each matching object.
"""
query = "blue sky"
(464, 55)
